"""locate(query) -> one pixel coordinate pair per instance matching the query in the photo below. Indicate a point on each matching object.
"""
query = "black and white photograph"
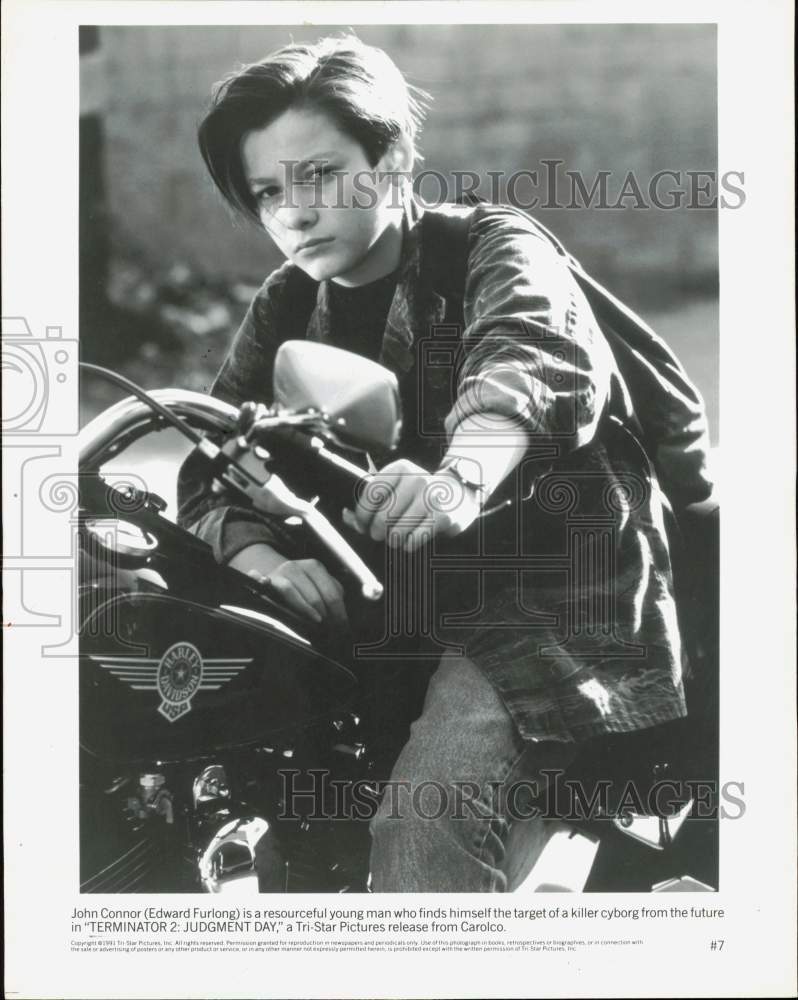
(485, 658)
(408, 547)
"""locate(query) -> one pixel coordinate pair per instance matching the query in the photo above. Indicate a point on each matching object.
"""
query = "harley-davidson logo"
(177, 676)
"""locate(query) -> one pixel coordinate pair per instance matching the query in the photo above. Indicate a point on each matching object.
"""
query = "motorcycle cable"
(235, 475)
(145, 397)
(224, 465)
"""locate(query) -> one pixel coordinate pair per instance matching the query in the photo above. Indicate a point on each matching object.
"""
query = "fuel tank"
(179, 658)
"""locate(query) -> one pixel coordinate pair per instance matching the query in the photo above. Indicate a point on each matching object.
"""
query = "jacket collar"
(415, 306)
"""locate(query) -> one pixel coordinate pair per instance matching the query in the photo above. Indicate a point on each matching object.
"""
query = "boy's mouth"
(312, 244)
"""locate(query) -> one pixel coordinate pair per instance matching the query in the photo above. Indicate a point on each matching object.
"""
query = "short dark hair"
(357, 85)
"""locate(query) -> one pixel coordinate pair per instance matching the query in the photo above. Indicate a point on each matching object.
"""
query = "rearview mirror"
(359, 398)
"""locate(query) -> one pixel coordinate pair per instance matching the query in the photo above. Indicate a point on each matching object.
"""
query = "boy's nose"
(298, 211)
(297, 217)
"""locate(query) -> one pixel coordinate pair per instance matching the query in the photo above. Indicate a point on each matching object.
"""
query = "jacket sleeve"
(246, 375)
(532, 350)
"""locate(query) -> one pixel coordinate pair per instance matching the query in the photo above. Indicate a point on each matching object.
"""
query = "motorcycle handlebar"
(296, 448)
(116, 427)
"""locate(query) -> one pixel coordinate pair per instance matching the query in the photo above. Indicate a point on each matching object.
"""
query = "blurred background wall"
(158, 244)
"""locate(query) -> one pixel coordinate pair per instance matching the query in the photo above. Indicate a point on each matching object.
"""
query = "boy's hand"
(304, 584)
(406, 505)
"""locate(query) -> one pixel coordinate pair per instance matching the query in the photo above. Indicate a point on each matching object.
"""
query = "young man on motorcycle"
(316, 143)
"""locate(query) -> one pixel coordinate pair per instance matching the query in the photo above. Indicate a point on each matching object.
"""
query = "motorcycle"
(228, 746)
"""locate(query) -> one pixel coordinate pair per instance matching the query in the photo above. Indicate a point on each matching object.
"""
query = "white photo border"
(757, 362)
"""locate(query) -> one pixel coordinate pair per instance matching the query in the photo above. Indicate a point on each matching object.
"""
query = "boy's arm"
(533, 352)
(487, 446)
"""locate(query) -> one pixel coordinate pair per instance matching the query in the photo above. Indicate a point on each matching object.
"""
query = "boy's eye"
(323, 170)
(312, 174)
(316, 171)
(267, 193)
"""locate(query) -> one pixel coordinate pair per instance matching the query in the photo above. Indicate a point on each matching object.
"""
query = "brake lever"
(272, 496)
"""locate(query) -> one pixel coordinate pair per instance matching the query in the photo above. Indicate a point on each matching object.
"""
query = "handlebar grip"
(297, 452)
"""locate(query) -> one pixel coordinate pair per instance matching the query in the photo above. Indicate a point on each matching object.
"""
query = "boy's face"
(327, 209)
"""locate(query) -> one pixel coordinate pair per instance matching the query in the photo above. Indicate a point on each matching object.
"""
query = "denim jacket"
(564, 597)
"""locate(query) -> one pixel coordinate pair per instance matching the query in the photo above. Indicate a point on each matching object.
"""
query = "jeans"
(463, 775)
